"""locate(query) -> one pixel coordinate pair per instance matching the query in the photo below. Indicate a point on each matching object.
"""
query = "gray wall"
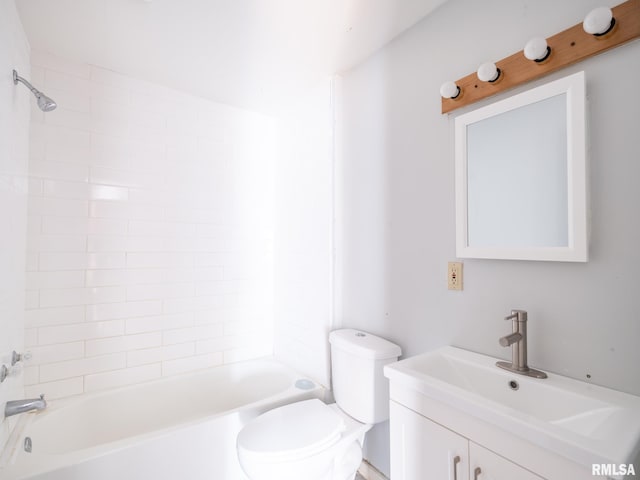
(396, 227)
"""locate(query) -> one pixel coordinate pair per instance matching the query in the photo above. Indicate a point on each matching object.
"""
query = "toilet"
(316, 441)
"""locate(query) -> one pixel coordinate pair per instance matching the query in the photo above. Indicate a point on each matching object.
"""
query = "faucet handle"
(513, 316)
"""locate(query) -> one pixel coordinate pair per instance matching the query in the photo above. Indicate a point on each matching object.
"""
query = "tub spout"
(14, 407)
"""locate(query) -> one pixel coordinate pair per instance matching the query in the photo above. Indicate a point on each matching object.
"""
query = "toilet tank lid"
(363, 344)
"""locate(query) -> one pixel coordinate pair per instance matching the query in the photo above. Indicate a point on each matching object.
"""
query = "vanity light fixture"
(599, 21)
(450, 90)
(537, 49)
(488, 72)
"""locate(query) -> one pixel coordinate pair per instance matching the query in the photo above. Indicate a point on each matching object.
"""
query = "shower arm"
(17, 78)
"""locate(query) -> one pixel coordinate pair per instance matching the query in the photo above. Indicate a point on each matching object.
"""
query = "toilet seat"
(291, 432)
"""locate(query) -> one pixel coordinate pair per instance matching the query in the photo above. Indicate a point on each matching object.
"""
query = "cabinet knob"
(476, 473)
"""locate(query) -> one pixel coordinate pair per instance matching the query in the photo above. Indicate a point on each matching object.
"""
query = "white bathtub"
(176, 428)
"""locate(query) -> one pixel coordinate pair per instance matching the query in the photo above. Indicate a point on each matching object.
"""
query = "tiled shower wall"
(150, 232)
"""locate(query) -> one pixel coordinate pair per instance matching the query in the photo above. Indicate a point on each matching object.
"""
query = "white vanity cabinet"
(424, 450)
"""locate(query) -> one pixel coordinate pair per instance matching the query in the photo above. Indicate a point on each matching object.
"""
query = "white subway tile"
(61, 207)
(56, 353)
(108, 118)
(68, 83)
(218, 288)
(55, 390)
(159, 291)
(123, 310)
(145, 244)
(159, 259)
(34, 224)
(30, 337)
(64, 117)
(191, 334)
(107, 226)
(72, 102)
(68, 153)
(124, 343)
(247, 353)
(144, 275)
(144, 357)
(31, 299)
(106, 260)
(85, 331)
(208, 274)
(57, 188)
(144, 324)
(65, 225)
(70, 172)
(178, 350)
(106, 93)
(84, 366)
(56, 135)
(118, 378)
(107, 243)
(54, 316)
(102, 278)
(56, 243)
(62, 261)
(81, 296)
(107, 192)
(35, 187)
(159, 322)
(55, 279)
(185, 274)
(153, 228)
(100, 208)
(125, 178)
(31, 375)
(189, 364)
(221, 343)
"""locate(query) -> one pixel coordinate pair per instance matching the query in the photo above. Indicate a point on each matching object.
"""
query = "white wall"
(397, 231)
(14, 148)
(304, 233)
(150, 232)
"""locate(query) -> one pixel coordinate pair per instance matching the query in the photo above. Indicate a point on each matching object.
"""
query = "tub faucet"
(15, 407)
(518, 342)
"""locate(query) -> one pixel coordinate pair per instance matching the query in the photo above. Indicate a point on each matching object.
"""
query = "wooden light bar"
(567, 47)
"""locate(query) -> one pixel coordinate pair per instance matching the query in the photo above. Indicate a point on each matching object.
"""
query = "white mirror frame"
(576, 250)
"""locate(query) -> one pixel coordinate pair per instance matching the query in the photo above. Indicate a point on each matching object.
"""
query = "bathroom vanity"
(456, 416)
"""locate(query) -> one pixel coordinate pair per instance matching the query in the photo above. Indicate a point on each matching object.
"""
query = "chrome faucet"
(518, 341)
(15, 407)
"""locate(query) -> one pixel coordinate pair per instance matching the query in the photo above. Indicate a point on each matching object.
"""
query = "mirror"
(521, 176)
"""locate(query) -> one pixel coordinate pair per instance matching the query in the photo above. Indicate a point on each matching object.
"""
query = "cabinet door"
(495, 467)
(424, 450)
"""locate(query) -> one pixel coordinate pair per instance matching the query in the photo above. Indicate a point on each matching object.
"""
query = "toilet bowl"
(316, 441)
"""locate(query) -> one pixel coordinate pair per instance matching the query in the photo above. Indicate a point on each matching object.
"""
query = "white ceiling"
(249, 53)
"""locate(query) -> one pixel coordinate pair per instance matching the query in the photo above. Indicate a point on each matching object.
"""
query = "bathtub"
(173, 428)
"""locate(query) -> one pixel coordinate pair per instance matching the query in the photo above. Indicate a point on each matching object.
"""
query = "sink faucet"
(518, 342)
(15, 407)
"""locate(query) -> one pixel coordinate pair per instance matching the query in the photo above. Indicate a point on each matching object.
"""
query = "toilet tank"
(359, 385)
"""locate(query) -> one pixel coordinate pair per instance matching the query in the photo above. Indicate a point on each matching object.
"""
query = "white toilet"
(315, 441)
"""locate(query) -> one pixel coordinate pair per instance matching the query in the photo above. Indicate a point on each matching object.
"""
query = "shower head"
(45, 103)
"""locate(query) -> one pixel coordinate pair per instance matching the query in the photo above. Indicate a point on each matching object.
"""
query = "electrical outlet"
(454, 276)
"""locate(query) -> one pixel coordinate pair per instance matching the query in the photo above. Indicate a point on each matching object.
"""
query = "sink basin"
(586, 423)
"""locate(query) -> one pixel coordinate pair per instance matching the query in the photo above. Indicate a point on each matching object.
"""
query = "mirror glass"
(520, 176)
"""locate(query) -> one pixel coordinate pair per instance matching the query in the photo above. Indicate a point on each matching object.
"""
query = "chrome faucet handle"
(513, 316)
(18, 357)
